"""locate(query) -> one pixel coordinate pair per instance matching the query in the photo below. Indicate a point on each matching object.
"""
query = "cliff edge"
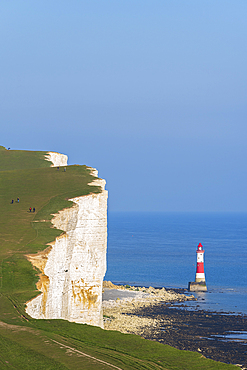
(73, 266)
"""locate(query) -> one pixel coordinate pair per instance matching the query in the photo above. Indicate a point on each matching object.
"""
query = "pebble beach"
(119, 302)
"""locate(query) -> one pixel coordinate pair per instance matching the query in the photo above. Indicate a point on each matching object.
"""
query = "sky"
(151, 93)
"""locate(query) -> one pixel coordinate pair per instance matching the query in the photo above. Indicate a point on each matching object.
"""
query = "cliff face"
(57, 159)
(73, 267)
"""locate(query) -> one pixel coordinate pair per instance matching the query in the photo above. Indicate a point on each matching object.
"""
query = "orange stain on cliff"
(83, 294)
(39, 261)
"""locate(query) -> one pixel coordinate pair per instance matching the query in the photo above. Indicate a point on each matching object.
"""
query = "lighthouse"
(200, 275)
(200, 282)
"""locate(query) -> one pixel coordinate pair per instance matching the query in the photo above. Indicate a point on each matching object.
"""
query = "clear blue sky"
(151, 93)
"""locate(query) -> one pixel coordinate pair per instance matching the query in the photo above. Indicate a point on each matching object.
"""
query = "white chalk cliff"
(57, 159)
(73, 266)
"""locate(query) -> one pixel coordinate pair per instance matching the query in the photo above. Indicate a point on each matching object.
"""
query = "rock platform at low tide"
(119, 302)
(156, 316)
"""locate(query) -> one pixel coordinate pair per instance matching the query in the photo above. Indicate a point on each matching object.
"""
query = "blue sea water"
(159, 249)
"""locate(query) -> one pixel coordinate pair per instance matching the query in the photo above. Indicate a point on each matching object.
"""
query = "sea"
(159, 250)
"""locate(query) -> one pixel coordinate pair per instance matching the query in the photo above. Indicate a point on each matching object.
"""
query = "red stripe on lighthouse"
(200, 267)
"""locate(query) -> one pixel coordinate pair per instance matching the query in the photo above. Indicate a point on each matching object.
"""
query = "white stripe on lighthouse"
(200, 275)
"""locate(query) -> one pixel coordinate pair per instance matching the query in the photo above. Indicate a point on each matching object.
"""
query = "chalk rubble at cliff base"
(118, 312)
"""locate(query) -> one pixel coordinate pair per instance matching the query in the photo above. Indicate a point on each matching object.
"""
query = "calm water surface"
(159, 249)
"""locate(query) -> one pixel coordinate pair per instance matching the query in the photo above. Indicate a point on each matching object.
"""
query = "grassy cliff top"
(28, 176)
(32, 344)
(40, 186)
(21, 159)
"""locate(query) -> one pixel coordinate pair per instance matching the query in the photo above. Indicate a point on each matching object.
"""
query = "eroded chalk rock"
(73, 267)
(57, 159)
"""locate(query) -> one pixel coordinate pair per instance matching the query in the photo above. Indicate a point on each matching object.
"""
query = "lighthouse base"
(197, 287)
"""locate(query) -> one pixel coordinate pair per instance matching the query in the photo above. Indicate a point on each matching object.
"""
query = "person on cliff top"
(12, 201)
(33, 209)
(30, 209)
(18, 200)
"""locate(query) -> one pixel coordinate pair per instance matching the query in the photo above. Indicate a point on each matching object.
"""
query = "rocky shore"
(152, 314)
(119, 308)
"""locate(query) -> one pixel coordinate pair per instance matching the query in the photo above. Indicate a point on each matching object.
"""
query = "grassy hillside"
(57, 344)
(21, 159)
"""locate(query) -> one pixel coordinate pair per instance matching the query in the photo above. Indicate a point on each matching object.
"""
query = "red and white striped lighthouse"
(200, 275)
(199, 285)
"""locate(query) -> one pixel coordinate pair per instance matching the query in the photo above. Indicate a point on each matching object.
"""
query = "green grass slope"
(27, 343)
(21, 159)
